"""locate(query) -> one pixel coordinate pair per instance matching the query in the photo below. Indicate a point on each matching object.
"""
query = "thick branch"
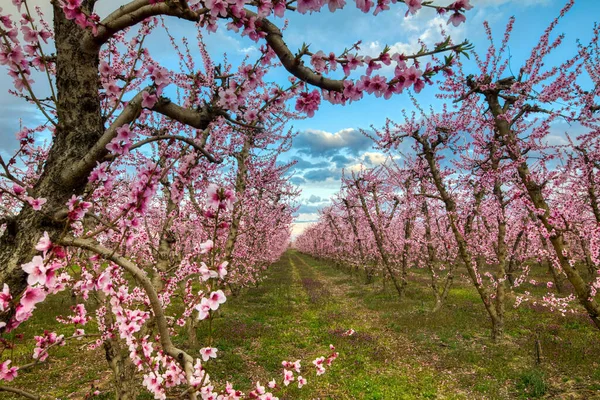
(98, 151)
(294, 65)
(135, 12)
(184, 359)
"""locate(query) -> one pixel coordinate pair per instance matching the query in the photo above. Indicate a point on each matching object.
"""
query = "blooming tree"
(509, 196)
(157, 183)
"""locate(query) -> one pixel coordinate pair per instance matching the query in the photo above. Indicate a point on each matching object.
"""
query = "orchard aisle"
(296, 313)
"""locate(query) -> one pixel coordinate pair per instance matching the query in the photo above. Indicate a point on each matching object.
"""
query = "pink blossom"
(124, 133)
(5, 298)
(36, 204)
(456, 19)
(221, 269)
(44, 244)
(18, 189)
(8, 373)
(288, 377)
(203, 309)
(301, 381)
(413, 6)
(207, 273)
(30, 298)
(208, 353)
(335, 5)
(308, 102)
(213, 199)
(206, 246)
(216, 299)
(36, 270)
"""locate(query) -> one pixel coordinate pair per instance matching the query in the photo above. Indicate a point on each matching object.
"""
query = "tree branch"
(184, 359)
(135, 12)
(187, 140)
(19, 392)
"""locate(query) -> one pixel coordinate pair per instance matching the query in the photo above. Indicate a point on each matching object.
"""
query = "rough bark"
(79, 126)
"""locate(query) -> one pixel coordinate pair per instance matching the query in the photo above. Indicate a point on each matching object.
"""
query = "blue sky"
(330, 141)
(331, 136)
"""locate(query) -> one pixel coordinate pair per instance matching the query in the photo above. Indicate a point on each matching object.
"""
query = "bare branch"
(19, 392)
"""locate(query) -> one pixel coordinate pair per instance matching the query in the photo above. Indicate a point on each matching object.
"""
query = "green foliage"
(532, 384)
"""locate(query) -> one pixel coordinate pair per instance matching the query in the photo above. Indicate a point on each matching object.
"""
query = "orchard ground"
(400, 350)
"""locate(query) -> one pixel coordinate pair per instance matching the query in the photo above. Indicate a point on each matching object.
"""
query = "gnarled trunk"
(79, 126)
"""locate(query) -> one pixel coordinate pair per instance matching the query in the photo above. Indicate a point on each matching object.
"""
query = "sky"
(331, 140)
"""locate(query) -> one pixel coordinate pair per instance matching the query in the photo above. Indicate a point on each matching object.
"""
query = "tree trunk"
(123, 371)
(79, 127)
(534, 191)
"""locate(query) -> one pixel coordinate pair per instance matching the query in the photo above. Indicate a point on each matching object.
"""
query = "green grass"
(400, 349)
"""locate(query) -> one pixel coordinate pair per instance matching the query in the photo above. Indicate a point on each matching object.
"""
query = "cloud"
(374, 158)
(340, 160)
(315, 199)
(302, 164)
(321, 175)
(298, 180)
(319, 143)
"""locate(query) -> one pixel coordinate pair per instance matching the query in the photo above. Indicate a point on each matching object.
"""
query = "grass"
(400, 349)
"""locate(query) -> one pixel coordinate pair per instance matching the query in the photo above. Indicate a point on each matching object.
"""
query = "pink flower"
(5, 298)
(288, 377)
(301, 381)
(457, 5)
(6, 373)
(104, 69)
(148, 100)
(124, 133)
(18, 189)
(36, 270)
(213, 198)
(30, 298)
(44, 244)
(221, 269)
(413, 6)
(456, 19)
(112, 89)
(207, 273)
(208, 353)
(160, 76)
(308, 102)
(206, 246)
(36, 204)
(203, 309)
(334, 5)
(216, 299)
(272, 384)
